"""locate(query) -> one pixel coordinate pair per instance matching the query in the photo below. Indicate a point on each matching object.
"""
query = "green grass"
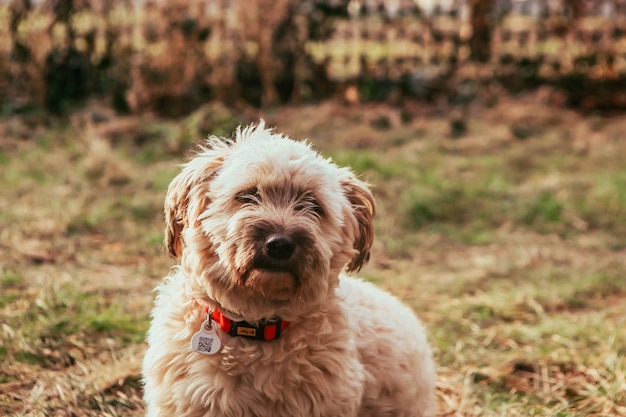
(543, 208)
(11, 280)
(11, 286)
(162, 179)
(369, 162)
(58, 313)
(466, 199)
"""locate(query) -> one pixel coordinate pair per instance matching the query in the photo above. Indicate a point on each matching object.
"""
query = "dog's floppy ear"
(363, 208)
(187, 196)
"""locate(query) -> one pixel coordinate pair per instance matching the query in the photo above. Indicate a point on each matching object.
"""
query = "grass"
(511, 251)
(462, 196)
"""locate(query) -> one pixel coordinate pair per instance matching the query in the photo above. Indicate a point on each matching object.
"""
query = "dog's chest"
(268, 380)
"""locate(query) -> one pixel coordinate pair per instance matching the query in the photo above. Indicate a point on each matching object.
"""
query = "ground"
(505, 230)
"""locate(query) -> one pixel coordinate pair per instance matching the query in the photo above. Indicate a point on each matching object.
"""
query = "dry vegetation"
(509, 241)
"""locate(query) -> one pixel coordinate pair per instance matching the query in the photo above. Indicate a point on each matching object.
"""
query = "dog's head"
(264, 224)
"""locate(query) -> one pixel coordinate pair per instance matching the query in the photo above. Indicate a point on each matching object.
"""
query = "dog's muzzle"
(276, 268)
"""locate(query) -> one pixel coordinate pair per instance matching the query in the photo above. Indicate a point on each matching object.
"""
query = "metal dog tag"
(206, 341)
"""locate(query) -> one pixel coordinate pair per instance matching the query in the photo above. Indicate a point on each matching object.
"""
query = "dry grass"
(511, 249)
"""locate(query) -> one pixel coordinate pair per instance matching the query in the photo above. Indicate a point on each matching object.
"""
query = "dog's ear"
(187, 197)
(363, 208)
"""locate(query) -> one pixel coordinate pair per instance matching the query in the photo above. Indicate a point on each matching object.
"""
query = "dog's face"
(264, 224)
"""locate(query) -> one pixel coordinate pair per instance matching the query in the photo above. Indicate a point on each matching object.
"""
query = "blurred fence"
(171, 56)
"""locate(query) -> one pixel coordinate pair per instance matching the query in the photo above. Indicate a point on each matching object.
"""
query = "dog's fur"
(350, 349)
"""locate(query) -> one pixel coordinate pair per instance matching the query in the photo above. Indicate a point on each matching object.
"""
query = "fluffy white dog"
(258, 319)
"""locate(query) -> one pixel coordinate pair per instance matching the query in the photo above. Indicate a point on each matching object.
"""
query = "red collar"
(264, 330)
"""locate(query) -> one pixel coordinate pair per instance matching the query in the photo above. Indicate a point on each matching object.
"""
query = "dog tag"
(206, 341)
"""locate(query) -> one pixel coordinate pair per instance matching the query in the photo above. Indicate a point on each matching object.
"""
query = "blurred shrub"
(163, 56)
(169, 57)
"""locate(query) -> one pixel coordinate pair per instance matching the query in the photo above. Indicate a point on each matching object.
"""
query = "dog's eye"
(310, 205)
(250, 196)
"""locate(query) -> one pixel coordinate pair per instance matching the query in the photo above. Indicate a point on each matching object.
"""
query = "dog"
(260, 319)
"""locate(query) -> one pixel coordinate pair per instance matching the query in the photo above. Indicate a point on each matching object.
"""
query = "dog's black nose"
(279, 247)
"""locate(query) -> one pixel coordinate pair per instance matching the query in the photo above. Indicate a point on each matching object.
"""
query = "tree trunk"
(480, 42)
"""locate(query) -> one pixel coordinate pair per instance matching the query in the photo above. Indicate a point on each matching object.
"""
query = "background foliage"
(172, 56)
